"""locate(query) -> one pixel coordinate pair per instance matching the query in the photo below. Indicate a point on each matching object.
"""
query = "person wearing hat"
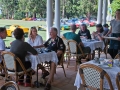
(84, 32)
(106, 29)
(99, 33)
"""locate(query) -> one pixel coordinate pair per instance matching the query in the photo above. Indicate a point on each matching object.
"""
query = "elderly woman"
(34, 39)
(84, 32)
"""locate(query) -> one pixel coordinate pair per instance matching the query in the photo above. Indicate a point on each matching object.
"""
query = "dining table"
(112, 72)
(43, 57)
(93, 44)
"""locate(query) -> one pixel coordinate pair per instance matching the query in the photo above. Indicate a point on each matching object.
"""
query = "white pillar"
(57, 15)
(49, 17)
(99, 14)
(105, 5)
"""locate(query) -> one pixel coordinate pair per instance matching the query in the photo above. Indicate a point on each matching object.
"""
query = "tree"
(115, 5)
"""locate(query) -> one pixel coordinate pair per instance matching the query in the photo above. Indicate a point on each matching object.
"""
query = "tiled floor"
(60, 81)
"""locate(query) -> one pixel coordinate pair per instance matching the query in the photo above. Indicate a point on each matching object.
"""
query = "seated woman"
(20, 49)
(34, 39)
(98, 35)
(84, 32)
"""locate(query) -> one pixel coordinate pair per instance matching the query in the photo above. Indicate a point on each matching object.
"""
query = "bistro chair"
(1, 68)
(118, 80)
(117, 56)
(10, 86)
(66, 51)
(10, 67)
(60, 64)
(93, 77)
(72, 47)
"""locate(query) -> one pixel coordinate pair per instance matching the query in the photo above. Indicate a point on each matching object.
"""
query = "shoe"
(20, 83)
(45, 74)
(27, 84)
(47, 87)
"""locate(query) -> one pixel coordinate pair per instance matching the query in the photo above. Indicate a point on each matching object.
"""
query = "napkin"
(77, 80)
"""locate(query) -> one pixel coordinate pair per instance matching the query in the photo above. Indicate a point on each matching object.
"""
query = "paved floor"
(60, 81)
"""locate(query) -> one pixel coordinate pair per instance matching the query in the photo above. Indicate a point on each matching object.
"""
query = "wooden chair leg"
(76, 64)
(64, 70)
(68, 61)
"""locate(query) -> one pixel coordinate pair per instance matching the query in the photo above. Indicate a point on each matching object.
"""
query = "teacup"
(116, 61)
(102, 62)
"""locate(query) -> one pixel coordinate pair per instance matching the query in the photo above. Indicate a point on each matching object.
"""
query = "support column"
(105, 5)
(57, 15)
(99, 14)
(49, 18)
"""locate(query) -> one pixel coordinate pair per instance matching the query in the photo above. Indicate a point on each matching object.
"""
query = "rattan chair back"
(10, 86)
(118, 80)
(93, 77)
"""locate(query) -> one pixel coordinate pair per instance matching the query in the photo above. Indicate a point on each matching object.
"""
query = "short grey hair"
(55, 29)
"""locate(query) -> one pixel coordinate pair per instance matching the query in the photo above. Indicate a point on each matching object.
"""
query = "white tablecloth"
(112, 72)
(94, 44)
(36, 59)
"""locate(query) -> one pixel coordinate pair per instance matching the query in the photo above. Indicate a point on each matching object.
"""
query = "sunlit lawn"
(30, 24)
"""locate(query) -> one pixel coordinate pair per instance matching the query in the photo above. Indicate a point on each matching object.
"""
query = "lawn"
(30, 24)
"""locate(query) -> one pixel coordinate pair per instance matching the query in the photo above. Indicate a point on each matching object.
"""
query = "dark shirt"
(55, 45)
(85, 33)
(20, 49)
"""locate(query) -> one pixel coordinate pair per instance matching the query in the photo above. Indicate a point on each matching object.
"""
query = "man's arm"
(30, 49)
(109, 31)
(39, 46)
(61, 47)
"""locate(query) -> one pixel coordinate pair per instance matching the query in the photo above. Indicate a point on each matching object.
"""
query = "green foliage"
(1, 16)
(33, 8)
(19, 16)
(115, 5)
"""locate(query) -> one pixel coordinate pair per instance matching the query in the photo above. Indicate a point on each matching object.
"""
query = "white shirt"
(2, 47)
(38, 41)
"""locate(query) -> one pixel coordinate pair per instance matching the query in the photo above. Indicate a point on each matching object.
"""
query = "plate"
(112, 38)
(104, 66)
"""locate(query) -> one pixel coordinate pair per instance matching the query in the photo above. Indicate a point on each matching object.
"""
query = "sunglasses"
(33, 27)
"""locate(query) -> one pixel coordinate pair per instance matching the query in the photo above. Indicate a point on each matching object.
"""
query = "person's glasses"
(33, 27)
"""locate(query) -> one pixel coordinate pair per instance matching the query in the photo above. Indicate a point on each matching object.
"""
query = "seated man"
(73, 36)
(56, 44)
(20, 49)
(3, 35)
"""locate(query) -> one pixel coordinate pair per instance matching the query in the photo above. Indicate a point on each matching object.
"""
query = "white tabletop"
(36, 59)
(111, 38)
(94, 44)
(112, 72)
